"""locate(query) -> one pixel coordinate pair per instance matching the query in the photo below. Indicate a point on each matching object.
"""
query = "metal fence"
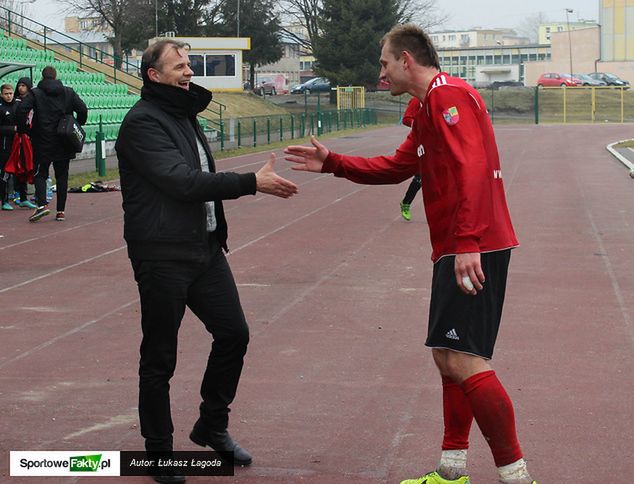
(535, 105)
(262, 130)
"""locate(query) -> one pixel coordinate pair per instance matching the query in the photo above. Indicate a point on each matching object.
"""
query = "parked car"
(609, 79)
(586, 80)
(379, 86)
(317, 84)
(265, 85)
(550, 79)
(503, 84)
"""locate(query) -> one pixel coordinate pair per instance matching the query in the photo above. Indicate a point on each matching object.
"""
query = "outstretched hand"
(267, 181)
(307, 158)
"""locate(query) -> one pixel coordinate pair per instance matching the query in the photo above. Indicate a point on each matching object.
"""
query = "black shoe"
(169, 479)
(220, 442)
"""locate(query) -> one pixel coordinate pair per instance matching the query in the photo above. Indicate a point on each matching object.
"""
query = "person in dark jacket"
(7, 132)
(23, 87)
(50, 101)
(8, 128)
(176, 232)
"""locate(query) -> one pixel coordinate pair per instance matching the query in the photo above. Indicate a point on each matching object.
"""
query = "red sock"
(493, 411)
(457, 415)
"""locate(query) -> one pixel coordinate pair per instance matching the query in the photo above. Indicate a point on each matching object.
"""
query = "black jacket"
(164, 189)
(7, 127)
(50, 101)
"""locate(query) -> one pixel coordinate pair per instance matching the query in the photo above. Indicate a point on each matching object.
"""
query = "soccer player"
(415, 184)
(453, 147)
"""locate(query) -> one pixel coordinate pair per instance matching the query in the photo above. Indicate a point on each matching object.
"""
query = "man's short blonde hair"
(414, 40)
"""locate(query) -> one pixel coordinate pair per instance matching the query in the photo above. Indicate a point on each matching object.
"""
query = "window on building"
(452, 37)
(198, 64)
(220, 65)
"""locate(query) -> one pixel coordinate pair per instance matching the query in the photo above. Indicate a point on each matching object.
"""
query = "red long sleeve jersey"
(452, 146)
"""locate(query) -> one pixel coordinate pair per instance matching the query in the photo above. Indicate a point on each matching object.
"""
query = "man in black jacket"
(50, 101)
(7, 132)
(175, 229)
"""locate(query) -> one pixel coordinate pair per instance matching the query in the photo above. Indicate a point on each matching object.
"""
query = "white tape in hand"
(466, 282)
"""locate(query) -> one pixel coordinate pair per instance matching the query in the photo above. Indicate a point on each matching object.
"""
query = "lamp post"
(568, 11)
(238, 17)
(155, 18)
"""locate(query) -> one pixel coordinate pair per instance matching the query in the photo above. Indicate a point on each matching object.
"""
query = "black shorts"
(465, 323)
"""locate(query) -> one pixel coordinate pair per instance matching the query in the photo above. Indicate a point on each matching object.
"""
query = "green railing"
(263, 130)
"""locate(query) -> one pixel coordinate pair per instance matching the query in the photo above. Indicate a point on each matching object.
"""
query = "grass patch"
(112, 174)
(626, 144)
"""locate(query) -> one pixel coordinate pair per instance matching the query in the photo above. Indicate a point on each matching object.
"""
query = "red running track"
(337, 386)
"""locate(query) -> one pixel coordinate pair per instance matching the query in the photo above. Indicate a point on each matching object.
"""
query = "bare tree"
(17, 22)
(304, 13)
(529, 27)
(307, 14)
(421, 12)
(121, 17)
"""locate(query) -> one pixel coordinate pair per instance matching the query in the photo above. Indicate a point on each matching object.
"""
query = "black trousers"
(209, 290)
(5, 182)
(61, 182)
(412, 189)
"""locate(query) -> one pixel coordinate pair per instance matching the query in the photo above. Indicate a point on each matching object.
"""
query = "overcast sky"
(463, 14)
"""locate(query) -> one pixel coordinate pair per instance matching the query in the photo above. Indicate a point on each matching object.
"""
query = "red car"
(551, 79)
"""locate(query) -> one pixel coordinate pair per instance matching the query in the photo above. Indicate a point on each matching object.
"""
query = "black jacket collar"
(175, 100)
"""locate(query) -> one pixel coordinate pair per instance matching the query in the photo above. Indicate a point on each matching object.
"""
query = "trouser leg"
(412, 190)
(213, 297)
(162, 288)
(21, 188)
(39, 180)
(4, 179)
(61, 182)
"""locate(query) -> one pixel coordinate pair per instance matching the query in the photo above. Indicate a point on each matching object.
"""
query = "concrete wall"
(585, 52)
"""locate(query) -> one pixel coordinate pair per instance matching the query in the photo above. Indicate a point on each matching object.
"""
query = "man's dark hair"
(6, 86)
(152, 55)
(49, 72)
(414, 40)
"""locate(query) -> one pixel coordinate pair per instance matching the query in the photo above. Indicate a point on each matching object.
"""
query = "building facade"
(482, 66)
(617, 30)
(545, 31)
(461, 39)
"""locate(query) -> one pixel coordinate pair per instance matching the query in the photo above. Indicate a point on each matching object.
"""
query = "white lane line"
(67, 333)
(57, 232)
(306, 215)
(62, 269)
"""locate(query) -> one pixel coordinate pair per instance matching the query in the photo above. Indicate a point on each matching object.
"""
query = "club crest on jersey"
(451, 116)
(420, 151)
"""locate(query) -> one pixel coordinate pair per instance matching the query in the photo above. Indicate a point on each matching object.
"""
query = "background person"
(8, 129)
(50, 101)
(414, 186)
(176, 232)
(452, 145)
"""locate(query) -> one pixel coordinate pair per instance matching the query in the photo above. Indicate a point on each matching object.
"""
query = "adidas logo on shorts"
(452, 335)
